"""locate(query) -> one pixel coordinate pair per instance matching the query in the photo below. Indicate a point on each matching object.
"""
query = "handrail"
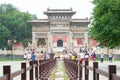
(17, 73)
(115, 77)
(70, 67)
(4, 77)
(44, 66)
(102, 73)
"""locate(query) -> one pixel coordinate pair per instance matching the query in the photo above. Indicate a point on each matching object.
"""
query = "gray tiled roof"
(80, 20)
(59, 11)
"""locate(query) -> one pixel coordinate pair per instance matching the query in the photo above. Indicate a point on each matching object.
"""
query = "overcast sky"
(82, 7)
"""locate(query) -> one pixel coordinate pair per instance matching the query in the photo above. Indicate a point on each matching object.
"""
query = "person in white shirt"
(25, 57)
(82, 56)
(102, 57)
(29, 56)
(86, 56)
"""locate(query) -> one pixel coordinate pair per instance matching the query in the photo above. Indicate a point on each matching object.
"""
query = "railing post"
(95, 65)
(23, 76)
(39, 68)
(97, 74)
(76, 68)
(73, 68)
(80, 70)
(86, 71)
(31, 71)
(7, 70)
(42, 69)
(112, 70)
(36, 70)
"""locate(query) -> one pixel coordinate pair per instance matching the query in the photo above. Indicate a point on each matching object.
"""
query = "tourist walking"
(33, 57)
(102, 57)
(93, 56)
(73, 57)
(110, 57)
(80, 50)
(25, 57)
(29, 56)
(75, 54)
(41, 55)
(47, 56)
(82, 56)
(52, 55)
(86, 56)
(58, 55)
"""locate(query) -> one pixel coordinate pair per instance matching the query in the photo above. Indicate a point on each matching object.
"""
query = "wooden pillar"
(80, 70)
(39, 68)
(31, 71)
(7, 70)
(95, 66)
(36, 71)
(86, 71)
(23, 76)
(112, 70)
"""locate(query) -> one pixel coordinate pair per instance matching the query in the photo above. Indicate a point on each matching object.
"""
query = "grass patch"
(19, 59)
(106, 59)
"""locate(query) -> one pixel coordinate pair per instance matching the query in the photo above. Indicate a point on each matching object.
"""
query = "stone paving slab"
(59, 79)
(59, 72)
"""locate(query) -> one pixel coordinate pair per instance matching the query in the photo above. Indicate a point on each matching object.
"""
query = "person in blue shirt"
(93, 56)
(33, 56)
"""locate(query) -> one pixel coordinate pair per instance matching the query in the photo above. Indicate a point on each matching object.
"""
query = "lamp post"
(86, 39)
(14, 41)
(12, 49)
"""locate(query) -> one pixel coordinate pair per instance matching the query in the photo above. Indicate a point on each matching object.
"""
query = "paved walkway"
(59, 72)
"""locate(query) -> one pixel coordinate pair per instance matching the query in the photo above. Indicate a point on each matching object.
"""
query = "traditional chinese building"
(60, 30)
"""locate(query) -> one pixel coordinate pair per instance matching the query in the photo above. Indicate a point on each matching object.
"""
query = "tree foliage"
(16, 24)
(105, 26)
(41, 41)
(4, 33)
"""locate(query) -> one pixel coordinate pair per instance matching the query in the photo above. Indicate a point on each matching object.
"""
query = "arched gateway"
(60, 30)
(59, 43)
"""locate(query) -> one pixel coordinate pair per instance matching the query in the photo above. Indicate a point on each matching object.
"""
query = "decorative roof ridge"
(59, 9)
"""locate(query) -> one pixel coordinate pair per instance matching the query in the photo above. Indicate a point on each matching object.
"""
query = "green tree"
(4, 34)
(105, 26)
(41, 41)
(17, 23)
